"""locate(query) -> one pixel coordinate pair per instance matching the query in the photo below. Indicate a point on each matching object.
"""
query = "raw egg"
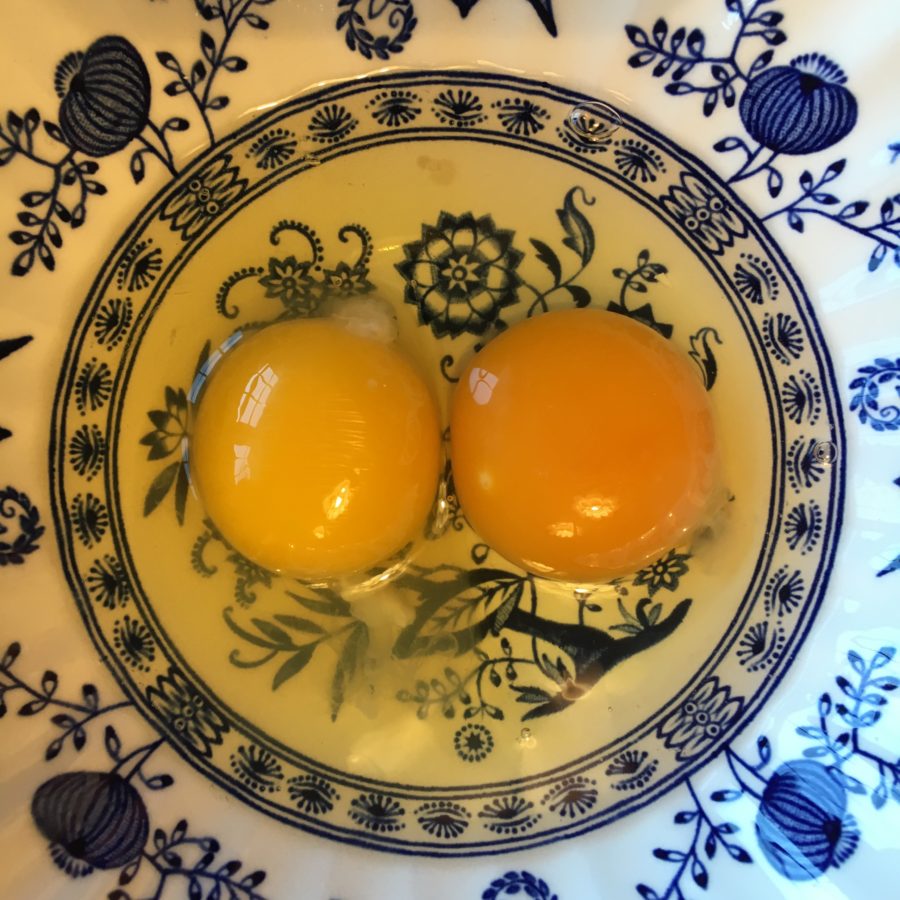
(582, 445)
(315, 451)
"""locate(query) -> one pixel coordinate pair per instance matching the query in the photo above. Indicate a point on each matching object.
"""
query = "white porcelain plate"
(182, 722)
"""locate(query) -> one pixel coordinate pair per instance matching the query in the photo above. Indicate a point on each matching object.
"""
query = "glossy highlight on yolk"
(315, 451)
(582, 445)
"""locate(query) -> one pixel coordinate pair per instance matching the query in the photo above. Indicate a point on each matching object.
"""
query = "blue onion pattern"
(92, 820)
(105, 94)
(802, 825)
(800, 108)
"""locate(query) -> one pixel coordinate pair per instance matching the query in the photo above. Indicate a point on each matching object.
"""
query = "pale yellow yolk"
(582, 445)
(315, 451)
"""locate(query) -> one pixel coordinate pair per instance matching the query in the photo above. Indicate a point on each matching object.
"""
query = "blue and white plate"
(182, 722)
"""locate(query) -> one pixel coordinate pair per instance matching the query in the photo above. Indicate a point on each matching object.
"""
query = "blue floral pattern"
(802, 826)
(800, 108)
(98, 820)
(704, 214)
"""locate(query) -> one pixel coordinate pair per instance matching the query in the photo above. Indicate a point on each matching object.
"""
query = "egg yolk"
(582, 445)
(315, 451)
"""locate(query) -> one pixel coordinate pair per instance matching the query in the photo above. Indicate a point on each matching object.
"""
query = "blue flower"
(636, 767)
(802, 398)
(89, 518)
(107, 582)
(377, 812)
(461, 108)
(290, 282)
(395, 108)
(93, 386)
(703, 213)
(782, 337)
(331, 123)
(784, 591)
(87, 451)
(800, 108)
(802, 826)
(257, 768)
(755, 279)
(664, 573)
(461, 274)
(571, 797)
(134, 643)
(473, 742)
(701, 719)
(93, 820)
(105, 94)
(520, 117)
(443, 818)
(273, 148)
(509, 815)
(312, 794)
(637, 160)
(803, 527)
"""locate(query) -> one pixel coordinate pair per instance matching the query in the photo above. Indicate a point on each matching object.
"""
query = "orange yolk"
(582, 445)
(315, 451)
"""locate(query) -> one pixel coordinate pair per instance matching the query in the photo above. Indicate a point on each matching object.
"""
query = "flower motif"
(87, 451)
(93, 820)
(802, 824)
(473, 742)
(169, 425)
(800, 108)
(443, 818)
(804, 467)
(105, 94)
(701, 719)
(377, 812)
(257, 768)
(290, 282)
(704, 214)
(93, 386)
(571, 797)
(520, 117)
(802, 398)
(509, 815)
(140, 266)
(345, 279)
(195, 722)
(273, 148)
(134, 643)
(755, 279)
(635, 765)
(112, 321)
(461, 274)
(107, 582)
(760, 646)
(784, 592)
(664, 573)
(637, 160)
(89, 518)
(803, 527)
(312, 794)
(211, 190)
(782, 337)
(461, 108)
(331, 123)
(395, 107)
